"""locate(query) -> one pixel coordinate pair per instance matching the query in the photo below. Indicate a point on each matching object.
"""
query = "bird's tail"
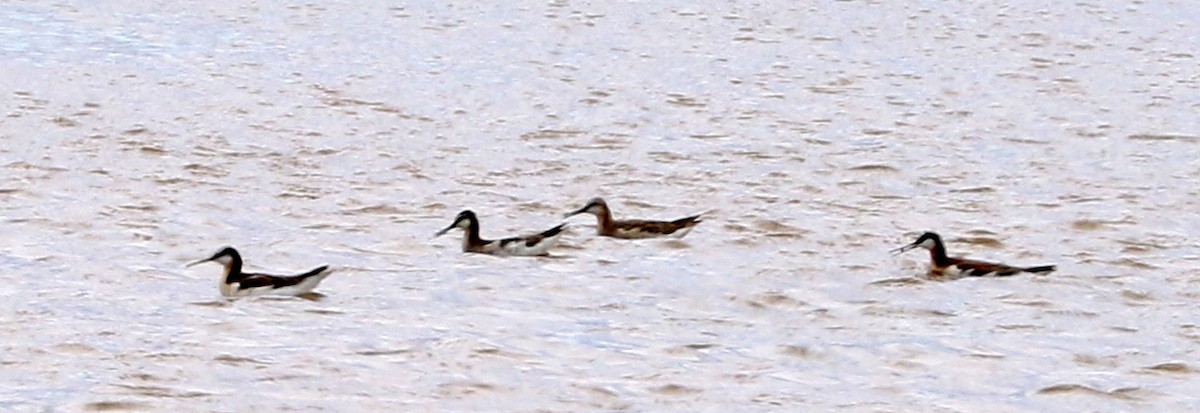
(553, 231)
(1044, 268)
(311, 279)
(317, 271)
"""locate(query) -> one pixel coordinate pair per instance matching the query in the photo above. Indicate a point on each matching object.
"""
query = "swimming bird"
(634, 229)
(236, 283)
(531, 245)
(943, 266)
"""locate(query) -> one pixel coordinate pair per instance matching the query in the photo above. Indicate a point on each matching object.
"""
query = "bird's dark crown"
(227, 251)
(465, 215)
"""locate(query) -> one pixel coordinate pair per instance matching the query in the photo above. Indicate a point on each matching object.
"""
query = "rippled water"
(815, 137)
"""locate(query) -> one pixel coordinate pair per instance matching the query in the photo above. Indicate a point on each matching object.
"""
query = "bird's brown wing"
(248, 281)
(985, 269)
(655, 228)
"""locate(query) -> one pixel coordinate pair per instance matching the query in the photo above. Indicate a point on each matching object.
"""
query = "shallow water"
(815, 138)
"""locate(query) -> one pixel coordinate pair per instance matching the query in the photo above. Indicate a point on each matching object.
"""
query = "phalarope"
(236, 283)
(634, 229)
(531, 245)
(943, 266)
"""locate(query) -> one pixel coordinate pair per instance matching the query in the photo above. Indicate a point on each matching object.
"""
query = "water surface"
(815, 137)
